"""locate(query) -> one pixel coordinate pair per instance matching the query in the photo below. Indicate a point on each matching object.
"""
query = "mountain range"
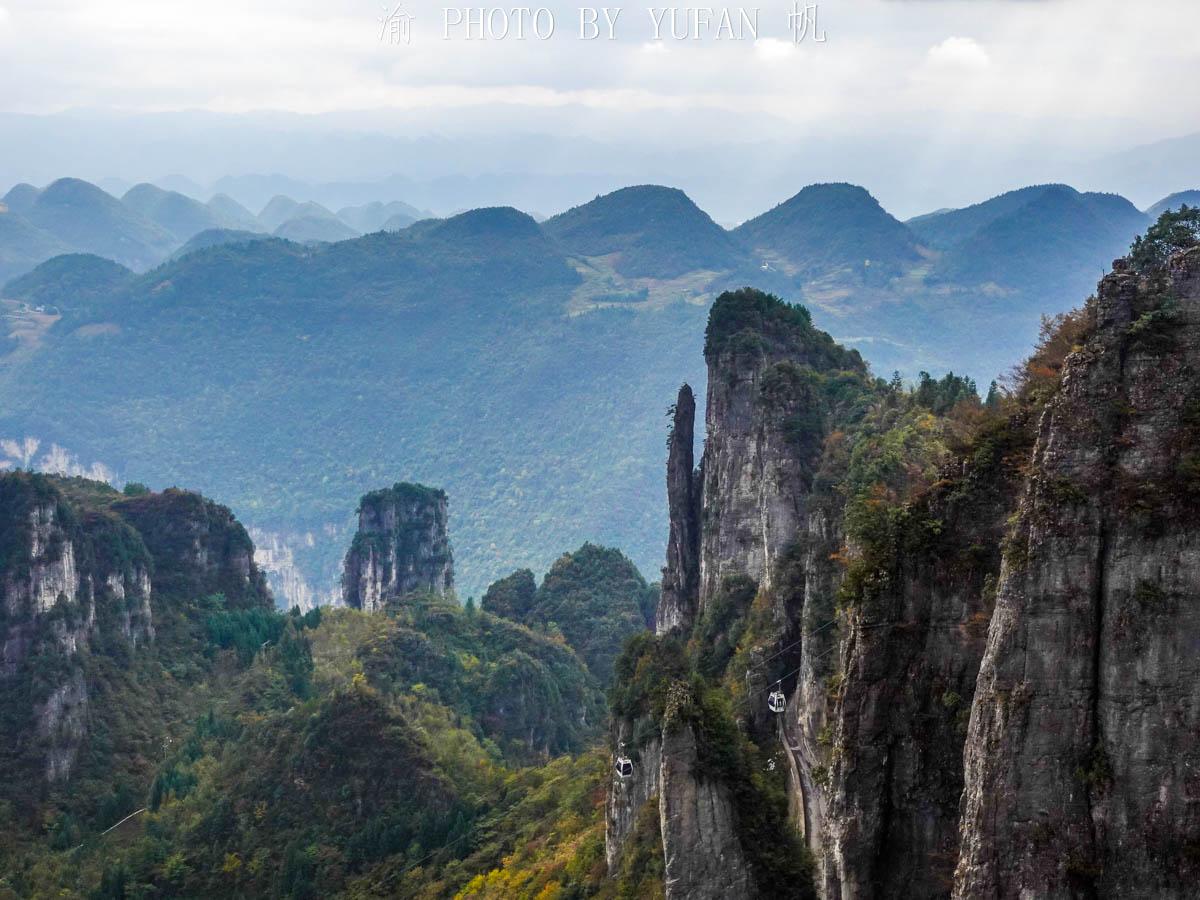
(521, 365)
(148, 223)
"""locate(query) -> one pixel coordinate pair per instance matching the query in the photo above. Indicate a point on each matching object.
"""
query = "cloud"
(3, 17)
(773, 49)
(959, 53)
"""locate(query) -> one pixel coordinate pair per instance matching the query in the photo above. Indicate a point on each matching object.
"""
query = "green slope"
(655, 232)
(832, 227)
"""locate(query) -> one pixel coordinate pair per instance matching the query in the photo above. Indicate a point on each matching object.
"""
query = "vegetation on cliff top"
(595, 598)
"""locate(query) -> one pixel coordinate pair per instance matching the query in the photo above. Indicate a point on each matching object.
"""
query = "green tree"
(1175, 230)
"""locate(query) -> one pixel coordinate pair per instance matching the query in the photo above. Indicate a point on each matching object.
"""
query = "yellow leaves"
(232, 865)
(359, 681)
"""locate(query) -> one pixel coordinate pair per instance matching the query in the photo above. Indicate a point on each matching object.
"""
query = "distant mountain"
(390, 350)
(282, 208)
(232, 214)
(216, 237)
(378, 216)
(651, 232)
(86, 218)
(182, 216)
(1049, 242)
(520, 366)
(398, 222)
(181, 184)
(1183, 198)
(22, 244)
(308, 228)
(829, 227)
(1151, 170)
(948, 227)
(21, 198)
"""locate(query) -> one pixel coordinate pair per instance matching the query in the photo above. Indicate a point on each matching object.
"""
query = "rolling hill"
(22, 243)
(653, 232)
(379, 216)
(86, 218)
(215, 237)
(233, 214)
(831, 227)
(1043, 243)
(181, 216)
(948, 228)
(1182, 198)
(308, 229)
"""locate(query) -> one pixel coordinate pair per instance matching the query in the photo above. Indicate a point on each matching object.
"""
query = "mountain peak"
(654, 231)
(832, 226)
(489, 221)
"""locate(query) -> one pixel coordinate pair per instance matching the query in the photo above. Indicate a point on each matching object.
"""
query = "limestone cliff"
(977, 618)
(1082, 757)
(765, 426)
(83, 565)
(66, 576)
(681, 575)
(735, 523)
(401, 547)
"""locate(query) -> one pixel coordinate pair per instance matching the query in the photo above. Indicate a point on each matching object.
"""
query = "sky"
(900, 91)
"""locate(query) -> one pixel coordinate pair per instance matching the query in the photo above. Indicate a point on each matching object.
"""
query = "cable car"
(776, 702)
(623, 767)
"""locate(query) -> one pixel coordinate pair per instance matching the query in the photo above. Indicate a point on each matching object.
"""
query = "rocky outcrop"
(681, 575)
(764, 430)
(1082, 758)
(701, 848)
(401, 547)
(702, 851)
(286, 559)
(83, 564)
(897, 692)
(628, 795)
(197, 545)
(990, 678)
(736, 524)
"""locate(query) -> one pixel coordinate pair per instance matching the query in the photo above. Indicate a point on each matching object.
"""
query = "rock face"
(198, 546)
(734, 523)
(765, 425)
(401, 547)
(66, 577)
(1082, 756)
(681, 575)
(81, 564)
(627, 796)
(702, 853)
(990, 682)
(887, 816)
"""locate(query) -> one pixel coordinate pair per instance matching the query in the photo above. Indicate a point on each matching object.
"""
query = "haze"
(928, 103)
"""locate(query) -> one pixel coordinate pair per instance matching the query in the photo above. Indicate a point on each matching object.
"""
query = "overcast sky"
(1005, 77)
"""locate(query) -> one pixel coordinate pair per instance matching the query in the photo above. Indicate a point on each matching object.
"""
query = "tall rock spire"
(681, 576)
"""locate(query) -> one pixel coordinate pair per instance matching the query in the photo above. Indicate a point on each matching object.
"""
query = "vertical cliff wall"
(1082, 756)
(401, 547)
(681, 575)
(83, 566)
(978, 616)
(737, 523)
(765, 425)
